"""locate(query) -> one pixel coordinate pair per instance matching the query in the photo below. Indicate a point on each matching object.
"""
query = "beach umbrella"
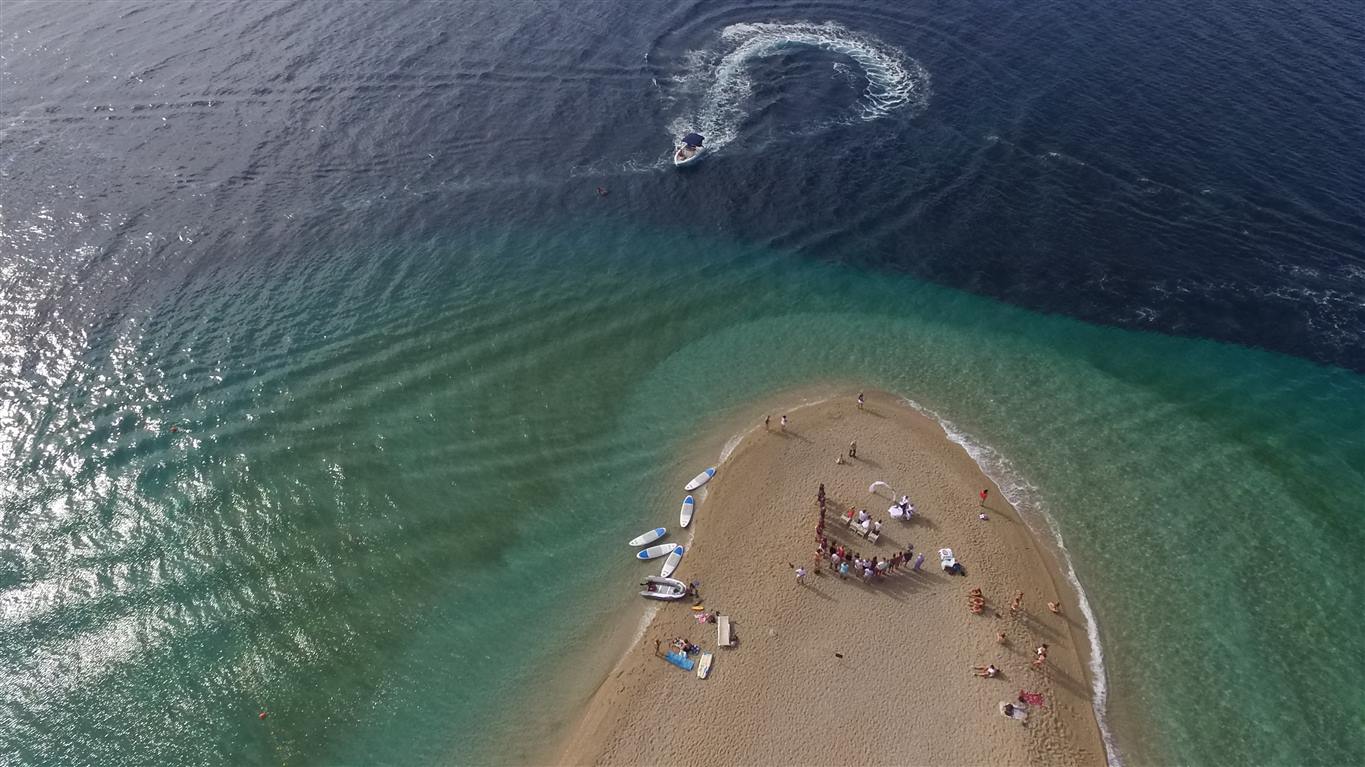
(1031, 698)
(693, 139)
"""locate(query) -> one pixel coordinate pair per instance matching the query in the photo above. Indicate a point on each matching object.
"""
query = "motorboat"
(657, 587)
(689, 151)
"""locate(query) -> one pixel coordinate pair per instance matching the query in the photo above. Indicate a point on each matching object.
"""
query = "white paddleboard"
(686, 516)
(701, 479)
(655, 551)
(671, 563)
(704, 668)
(649, 537)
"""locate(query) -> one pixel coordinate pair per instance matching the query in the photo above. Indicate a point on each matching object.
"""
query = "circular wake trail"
(893, 80)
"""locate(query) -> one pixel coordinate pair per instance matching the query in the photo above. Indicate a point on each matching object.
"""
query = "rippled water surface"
(329, 383)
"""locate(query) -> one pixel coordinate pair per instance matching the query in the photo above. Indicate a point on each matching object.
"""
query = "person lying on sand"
(1055, 608)
(1040, 656)
(987, 672)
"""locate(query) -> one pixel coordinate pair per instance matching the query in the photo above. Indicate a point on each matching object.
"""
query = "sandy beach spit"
(835, 670)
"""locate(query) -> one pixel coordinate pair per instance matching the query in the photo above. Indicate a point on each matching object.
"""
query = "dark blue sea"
(314, 318)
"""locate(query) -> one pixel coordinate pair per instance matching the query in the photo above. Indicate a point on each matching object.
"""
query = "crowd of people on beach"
(844, 561)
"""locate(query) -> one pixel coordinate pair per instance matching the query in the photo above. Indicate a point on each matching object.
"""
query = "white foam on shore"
(1028, 501)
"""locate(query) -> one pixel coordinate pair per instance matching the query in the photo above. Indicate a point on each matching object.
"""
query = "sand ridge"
(837, 671)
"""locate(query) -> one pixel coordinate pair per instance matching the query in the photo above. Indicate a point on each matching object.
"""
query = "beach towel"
(681, 661)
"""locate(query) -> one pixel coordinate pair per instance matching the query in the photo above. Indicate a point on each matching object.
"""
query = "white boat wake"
(893, 80)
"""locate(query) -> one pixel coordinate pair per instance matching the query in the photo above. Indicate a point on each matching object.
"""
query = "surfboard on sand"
(649, 537)
(685, 516)
(700, 479)
(655, 551)
(671, 563)
(704, 667)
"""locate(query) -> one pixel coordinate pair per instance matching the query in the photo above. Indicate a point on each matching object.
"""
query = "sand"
(836, 671)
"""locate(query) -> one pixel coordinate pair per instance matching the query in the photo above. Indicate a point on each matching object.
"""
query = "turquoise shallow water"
(379, 459)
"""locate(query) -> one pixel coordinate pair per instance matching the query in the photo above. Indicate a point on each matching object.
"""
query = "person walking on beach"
(1018, 601)
(784, 423)
(984, 493)
(853, 449)
(801, 575)
(767, 419)
(919, 560)
(860, 400)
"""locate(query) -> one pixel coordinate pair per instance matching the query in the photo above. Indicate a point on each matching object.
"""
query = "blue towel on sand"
(681, 661)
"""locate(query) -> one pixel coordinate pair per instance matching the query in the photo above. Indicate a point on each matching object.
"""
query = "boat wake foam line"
(894, 81)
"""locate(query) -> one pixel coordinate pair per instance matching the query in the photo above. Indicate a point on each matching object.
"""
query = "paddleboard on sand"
(700, 479)
(655, 551)
(704, 668)
(649, 537)
(686, 516)
(671, 563)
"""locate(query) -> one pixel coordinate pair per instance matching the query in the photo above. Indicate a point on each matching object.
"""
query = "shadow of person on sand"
(812, 587)
(790, 434)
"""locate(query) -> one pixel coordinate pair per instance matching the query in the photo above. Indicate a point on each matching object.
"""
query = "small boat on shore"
(658, 587)
(689, 150)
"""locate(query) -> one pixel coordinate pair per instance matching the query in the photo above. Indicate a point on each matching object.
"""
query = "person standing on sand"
(860, 400)
(853, 449)
(784, 423)
(984, 493)
(1018, 601)
(801, 575)
(919, 560)
(767, 419)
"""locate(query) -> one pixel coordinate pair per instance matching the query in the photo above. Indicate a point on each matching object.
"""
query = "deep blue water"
(355, 250)
(1184, 170)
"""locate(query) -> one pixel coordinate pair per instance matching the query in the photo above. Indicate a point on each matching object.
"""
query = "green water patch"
(409, 486)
